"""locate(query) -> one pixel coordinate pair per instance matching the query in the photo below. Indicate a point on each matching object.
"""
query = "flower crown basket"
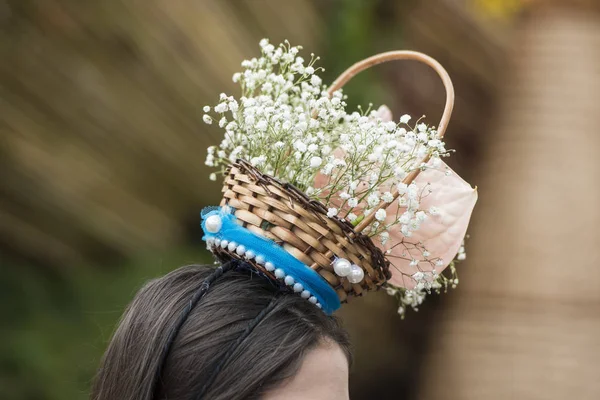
(281, 212)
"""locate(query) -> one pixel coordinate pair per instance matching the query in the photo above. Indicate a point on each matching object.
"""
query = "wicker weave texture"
(276, 211)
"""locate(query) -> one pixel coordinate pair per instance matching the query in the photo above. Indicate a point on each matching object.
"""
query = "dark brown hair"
(287, 328)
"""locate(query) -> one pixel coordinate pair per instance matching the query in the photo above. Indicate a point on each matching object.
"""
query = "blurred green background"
(102, 178)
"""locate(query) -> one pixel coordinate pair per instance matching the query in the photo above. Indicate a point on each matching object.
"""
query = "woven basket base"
(284, 214)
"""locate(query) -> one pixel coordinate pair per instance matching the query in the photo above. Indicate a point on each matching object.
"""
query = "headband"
(222, 360)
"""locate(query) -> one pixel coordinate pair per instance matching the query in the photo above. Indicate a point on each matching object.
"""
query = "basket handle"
(391, 56)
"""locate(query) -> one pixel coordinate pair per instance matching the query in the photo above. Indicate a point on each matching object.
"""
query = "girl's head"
(244, 339)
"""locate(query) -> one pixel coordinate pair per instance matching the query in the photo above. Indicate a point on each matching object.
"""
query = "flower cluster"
(374, 156)
(283, 122)
(289, 126)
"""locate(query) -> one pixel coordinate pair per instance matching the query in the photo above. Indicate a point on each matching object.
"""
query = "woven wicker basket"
(284, 214)
(281, 212)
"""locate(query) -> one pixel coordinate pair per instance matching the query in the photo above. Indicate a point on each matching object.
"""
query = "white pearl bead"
(357, 274)
(241, 250)
(232, 246)
(305, 294)
(342, 267)
(217, 242)
(279, 273)
(289, 280)
(213, 224)
(313, 299)
(269, 266)
(250, 254)
(260, 260)
(319, 305)
(210, 241)
(298, 287)
(224, 243)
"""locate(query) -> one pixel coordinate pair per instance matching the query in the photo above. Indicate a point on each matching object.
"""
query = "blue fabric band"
(230, 230)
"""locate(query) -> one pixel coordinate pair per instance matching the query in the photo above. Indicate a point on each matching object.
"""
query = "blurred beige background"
(102, 178)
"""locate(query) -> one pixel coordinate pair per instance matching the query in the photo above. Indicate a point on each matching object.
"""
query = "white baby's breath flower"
(418, 276)
(232, 126)
(207, 119)
(402, 188)
(434, 143)
(384, 237)
(262, 125)
(353, 202)
(267, 87)
(213, 177)
(387, 197)
(332, 212)
(300, 146)
(413, 191)
(268, 49)
(406, 231)
(221, 108)
(339, 163)
(404, 119)
(206, 109)
(380, 215)
(328, 169)
(400, 173)
(315, 162)
(373, 199)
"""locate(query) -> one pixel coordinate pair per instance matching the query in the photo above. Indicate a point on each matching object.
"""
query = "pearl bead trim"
(279, 273)
(345, 269)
